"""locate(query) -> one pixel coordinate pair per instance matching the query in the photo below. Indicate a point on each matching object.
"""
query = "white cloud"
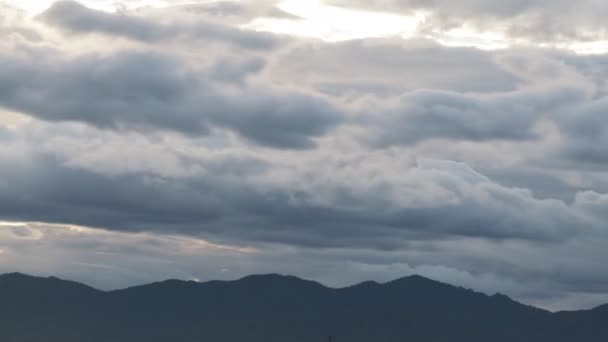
(35, 7)
(316, 20)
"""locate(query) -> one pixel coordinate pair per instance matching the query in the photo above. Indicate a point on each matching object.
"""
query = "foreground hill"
(273, 308)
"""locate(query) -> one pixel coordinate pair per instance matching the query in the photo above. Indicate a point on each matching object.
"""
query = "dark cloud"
(586, 154)
(228, 206)
(276, 121)
(594, 203)
(150, 90)
(77, 18)
(587, 121)
(235, 70)
(585, 133)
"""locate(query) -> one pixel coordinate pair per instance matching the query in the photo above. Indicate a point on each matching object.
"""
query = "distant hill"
(274, 308)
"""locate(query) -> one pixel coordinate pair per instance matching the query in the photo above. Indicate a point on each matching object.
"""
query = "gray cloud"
(586, 129)
(428, 114)
(239, 12)
(77, 18)
(151, 90)
(389, 67)
(478, 168)
(235, 70)
(433, 200)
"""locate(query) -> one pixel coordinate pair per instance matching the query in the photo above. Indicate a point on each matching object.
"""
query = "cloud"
(77, 18)
(586, 128)
(430, 200)
(14, 25)
(593, 203)
(536, 20)
(241, 11)
(388, 67)
(190, 142)
(156, 91)
(433, 114)
(111, 260)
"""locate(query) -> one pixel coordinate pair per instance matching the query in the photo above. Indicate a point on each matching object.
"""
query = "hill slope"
(277, 308)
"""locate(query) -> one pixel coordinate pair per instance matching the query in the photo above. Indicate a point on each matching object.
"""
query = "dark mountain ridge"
(279, 308)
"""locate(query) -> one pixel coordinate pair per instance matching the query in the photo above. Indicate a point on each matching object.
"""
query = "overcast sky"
(463, 140)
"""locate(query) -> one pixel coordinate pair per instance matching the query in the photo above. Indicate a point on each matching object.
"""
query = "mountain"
(273, 308)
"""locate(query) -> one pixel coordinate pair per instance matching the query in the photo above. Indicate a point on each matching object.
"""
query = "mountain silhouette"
(273, 308)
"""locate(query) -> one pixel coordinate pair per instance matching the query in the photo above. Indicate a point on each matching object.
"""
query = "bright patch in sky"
(332, 24)
(465, 37)
(335, 24)
(12, 120)
(34, 7)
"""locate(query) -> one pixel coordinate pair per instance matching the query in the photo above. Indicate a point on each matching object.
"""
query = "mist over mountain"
(279, 308)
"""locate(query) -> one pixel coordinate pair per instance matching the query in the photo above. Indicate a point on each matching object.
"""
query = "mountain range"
(276, 308)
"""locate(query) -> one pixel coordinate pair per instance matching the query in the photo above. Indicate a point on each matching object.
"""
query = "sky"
(338, 141)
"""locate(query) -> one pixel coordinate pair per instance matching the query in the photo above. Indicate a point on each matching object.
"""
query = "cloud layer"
(179, 138)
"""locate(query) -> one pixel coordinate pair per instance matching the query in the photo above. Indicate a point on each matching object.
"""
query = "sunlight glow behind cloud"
(332, 24)
(34, 7)
(36, 232)
(316, 20)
